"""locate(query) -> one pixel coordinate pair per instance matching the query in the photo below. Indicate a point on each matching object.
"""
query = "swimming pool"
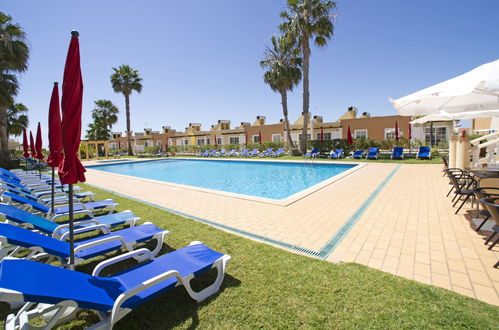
(274, 180)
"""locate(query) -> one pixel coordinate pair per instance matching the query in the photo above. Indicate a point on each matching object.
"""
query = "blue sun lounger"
(338, 153)
(42, 246)
(266, 152)
(243, 153)
(40, 190)
(30, 185)
(358, 154)
(424, 152)
(113, 219)
(222, 153)
(61, 230)
(253, 152)
(278, 153)
(232, 152)
(113, 297)
(61, 210)
(398, 152)
(60, 197)
(212, 153)
(312, 154)
(205, 153)
(23, 177)
(373, 153)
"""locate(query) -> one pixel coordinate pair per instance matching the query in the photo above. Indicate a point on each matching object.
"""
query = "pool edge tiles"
(281, 202)
(322, 253)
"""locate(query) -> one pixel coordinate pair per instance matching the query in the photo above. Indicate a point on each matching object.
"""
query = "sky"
(199, 60)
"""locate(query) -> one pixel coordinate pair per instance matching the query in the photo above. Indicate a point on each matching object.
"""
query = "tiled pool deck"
(391, 217)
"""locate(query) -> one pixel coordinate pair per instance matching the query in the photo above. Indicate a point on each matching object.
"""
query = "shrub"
(151, 150)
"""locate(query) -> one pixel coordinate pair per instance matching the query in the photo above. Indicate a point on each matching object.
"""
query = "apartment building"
(361, 125)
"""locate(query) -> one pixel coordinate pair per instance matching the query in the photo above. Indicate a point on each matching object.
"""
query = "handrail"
(476, 142)
(488, 143)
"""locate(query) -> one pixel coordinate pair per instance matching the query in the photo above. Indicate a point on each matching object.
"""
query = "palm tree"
(14, 54)
(283, 65)
(105, 114)
(98, 131)
(305, 20)
(17, 120)
(125, 80)
(106, 111)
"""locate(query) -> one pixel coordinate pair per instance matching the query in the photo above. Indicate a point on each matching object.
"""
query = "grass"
(383, 159)
(267, 287)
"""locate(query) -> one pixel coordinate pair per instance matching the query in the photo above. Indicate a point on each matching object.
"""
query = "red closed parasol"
(32, 145)
(38, 143)
(322, 135)
(349, 136)
(260, 137)
(71, 170)
(396, 131)
(55, 141)
(25, 144)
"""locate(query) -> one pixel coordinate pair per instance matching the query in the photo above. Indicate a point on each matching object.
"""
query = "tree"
(305, 20)
(14, 54)
(17, 120)
(98, 131)
(105, 114)
(125, 80)
(283, 65)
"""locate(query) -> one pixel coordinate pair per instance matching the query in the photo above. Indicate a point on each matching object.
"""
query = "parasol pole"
(53, 191)
(71, 228)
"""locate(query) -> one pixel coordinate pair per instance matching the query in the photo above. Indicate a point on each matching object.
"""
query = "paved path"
(408, 228)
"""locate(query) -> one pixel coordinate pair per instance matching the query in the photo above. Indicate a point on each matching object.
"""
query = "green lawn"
(383, 159)
(267, 287)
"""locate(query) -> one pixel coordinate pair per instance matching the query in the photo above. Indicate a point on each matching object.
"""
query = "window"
(158, 143)
(327, 136)
(186, 142)
(234, 140)
(255, 138)
(360, 134)
(390, 133)
(219, 140)
(276, 137)
(439, 135)
(200, 142)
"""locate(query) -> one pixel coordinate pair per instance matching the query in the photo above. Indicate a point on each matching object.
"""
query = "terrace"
(391, 217)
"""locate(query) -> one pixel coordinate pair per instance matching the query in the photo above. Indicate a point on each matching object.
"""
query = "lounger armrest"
(106, 263)
(102, 241)
(96, 226)
(57, 216)
(116, 313)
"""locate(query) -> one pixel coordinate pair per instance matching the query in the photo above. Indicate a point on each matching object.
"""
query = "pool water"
(275, 180)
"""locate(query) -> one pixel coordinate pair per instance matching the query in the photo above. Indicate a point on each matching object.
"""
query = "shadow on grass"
(169, 309)
(175, 307)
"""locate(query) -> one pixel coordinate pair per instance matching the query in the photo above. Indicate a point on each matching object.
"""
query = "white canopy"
(475, 90)
(443, 116)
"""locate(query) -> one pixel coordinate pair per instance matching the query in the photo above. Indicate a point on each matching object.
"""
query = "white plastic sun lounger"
(56, 294)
